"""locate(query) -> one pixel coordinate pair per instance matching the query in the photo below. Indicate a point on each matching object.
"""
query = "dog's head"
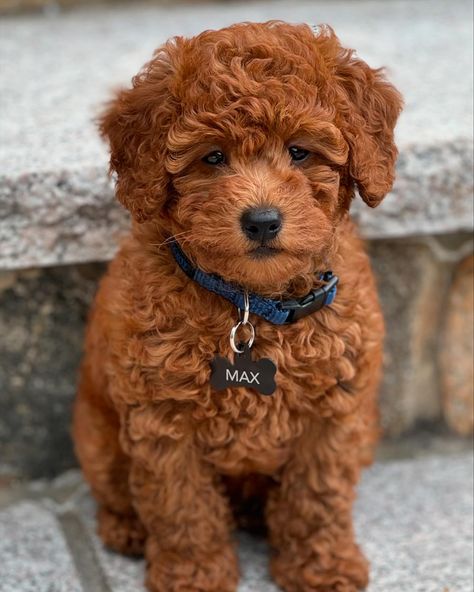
(247, 143)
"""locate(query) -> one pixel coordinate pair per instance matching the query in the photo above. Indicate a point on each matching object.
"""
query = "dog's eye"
(298, 154)
(214, 158)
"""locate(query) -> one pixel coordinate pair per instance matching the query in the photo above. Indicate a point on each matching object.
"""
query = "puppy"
(224, 380)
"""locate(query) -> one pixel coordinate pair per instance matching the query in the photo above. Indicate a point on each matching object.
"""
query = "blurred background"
(59, 223)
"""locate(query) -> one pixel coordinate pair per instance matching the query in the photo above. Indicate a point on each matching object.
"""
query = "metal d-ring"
(233, 335)
(243, 320)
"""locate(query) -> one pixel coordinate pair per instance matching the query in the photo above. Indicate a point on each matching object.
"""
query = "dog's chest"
(239, 429)
(246, 431)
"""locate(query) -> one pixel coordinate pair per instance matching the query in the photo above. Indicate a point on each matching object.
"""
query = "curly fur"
(173, 464)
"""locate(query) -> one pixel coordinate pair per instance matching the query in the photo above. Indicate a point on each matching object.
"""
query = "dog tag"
(259, 374)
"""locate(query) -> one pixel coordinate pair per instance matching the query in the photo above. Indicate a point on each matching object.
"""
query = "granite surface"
(34, 556)
(413, 519)
(56, 203)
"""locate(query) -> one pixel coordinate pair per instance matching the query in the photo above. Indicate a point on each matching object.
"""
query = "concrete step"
(56, 204)
(413, 519)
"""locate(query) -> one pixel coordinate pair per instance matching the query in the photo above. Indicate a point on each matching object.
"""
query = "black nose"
(261, 224)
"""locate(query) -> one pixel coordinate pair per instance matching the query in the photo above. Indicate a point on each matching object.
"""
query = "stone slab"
(56, 204)
(33, 553)
(413, 518)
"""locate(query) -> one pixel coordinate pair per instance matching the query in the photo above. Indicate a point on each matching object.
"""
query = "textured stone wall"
(427, 301)
(426, 294)
(457, 351)
(42, 314)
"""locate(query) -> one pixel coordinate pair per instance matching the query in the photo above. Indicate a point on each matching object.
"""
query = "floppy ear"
(371, 107)
(136, 123)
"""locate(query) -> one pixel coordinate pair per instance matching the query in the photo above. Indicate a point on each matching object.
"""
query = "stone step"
(56, 203)
(414, 520)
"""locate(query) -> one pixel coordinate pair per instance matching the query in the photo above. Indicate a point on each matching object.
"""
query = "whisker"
(170, 239)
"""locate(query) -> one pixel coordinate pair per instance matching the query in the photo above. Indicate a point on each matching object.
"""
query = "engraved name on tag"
(244, 372)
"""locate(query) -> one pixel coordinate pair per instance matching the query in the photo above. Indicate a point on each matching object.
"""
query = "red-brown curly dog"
(245, 146)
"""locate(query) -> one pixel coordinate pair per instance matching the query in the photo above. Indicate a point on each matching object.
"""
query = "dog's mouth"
(264, 252)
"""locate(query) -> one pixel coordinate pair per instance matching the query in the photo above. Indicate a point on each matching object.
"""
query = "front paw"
(123, 533)
(170, 571)
(322, 571)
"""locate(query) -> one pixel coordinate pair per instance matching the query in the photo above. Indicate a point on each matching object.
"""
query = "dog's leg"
(189, 548)
(106, 468)
(310, 516)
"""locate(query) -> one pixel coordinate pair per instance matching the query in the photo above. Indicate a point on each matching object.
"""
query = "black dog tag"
(259, 375)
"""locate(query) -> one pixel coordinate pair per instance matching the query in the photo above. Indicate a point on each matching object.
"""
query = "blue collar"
(278, 312)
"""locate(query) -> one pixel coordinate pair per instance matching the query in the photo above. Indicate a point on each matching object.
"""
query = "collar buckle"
(312, 302)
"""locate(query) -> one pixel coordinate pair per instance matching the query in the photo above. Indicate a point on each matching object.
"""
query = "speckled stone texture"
(33, 553)
(56, 204)
(413, 519)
